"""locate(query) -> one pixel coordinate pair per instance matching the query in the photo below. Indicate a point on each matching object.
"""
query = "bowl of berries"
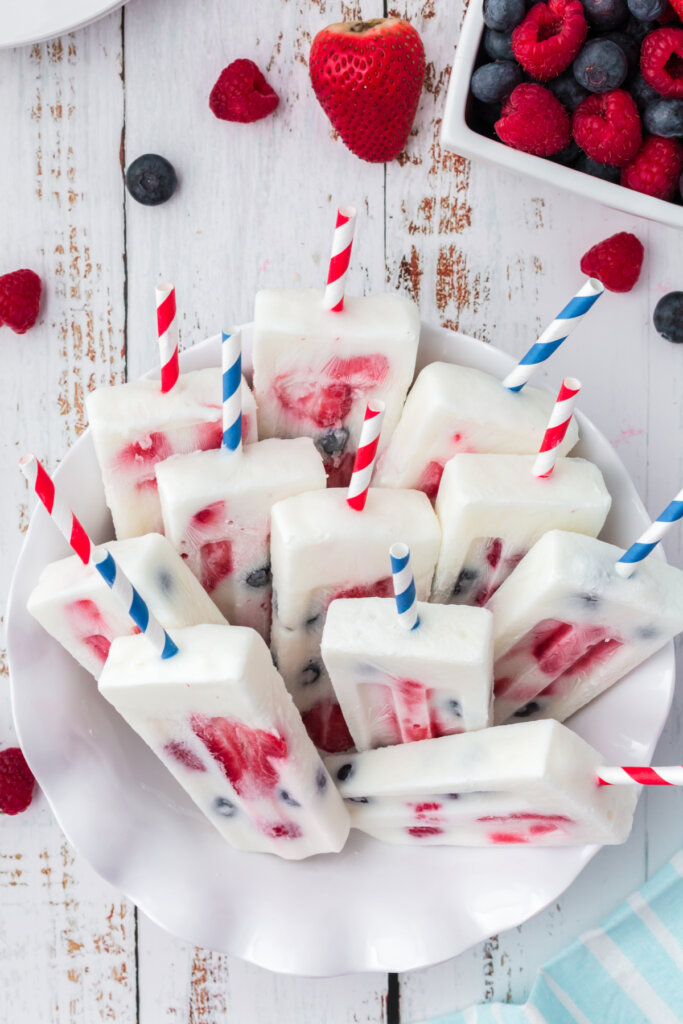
(585, 95)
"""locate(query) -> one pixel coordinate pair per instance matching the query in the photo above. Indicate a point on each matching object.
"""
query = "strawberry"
(368, 76)
(16, 781)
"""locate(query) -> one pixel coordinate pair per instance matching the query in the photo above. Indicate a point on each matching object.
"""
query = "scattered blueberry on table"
(151, 179)
(596, 85)
(668, 317)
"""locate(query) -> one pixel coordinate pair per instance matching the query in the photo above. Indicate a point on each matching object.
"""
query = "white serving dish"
(459, 137)
(372, 907)
(21, 24)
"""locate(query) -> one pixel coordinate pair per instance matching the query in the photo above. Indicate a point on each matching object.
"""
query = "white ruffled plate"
(374, 906)
(21, 24)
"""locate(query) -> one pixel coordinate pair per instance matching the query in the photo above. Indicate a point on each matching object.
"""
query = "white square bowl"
(459, 137)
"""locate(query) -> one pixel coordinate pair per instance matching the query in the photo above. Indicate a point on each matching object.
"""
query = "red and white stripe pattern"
(365, 456)
(167, 326)
(67, 522)
(560, 419)
(340, 258)
(641, 775)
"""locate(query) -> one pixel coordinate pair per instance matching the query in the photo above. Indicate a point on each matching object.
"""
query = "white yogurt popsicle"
(453, 409)
(74, 605)
(216, 510)
(135, 426)
(322, 550)
(219, 717)
(396, 685)
(315, 370)
(567, 625)
(492, 509)
(534, 783)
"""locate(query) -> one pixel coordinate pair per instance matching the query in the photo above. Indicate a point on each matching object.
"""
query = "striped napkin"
(627, 971)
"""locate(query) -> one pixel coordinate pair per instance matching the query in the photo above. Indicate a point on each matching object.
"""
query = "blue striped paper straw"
(119, 583)
(556, 332)
(404, 586)
(628, 562)
(231, 350)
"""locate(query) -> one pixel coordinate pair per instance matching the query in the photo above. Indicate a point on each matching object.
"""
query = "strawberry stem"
(358, 27)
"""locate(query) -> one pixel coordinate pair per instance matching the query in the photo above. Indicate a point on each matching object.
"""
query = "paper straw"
(339, 260)
(641, 776)
(231, 350)
(560, 418)
(365, 456)
(108, 569)
(553, 336)
(404, 586)
(167, 327)
(628, 562)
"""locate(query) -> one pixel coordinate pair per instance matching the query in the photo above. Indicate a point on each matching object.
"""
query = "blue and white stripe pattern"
(231, 349)
(627, 971)
(404, 586)
(553, 336)
(628, 562)
(118, 582)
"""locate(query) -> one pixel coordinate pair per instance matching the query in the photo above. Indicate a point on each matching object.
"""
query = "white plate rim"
(26, 34)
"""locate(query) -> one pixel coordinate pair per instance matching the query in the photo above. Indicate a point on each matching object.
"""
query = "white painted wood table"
(481, 251)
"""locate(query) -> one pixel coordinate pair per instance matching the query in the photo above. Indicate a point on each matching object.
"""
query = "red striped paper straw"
(339, 260)
(560, 419)
(365, 456)
(637, 775)
(67, 522)
(167, 327)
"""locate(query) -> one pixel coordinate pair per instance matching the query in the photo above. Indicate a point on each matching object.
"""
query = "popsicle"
(74, 605)
(218, 716)
(492, 509)
(534, 783)
(452, 409)
(319, 356)
(323, 549)
(396, 685)
(567, 625)
(135, 426)
(216, 513)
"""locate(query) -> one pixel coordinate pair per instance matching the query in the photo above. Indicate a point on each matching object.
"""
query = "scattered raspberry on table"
(19, 300)
(16, 781)
(616, 261)
(242, 93)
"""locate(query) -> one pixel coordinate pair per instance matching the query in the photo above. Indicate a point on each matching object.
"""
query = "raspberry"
(656, 169)
(607, 127)
(16, 781)
(242, 94)
(661, 61)
(550, 37)
(534, 121)
(19, 300)
(616, 261)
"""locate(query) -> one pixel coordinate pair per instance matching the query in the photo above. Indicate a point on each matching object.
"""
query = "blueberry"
(333, 441)
(568, 90)
(643, 93)
(567, 155)
(455, 708)
(640, 29)
(288, 798)
(605, 13)
(226, 808)
(165, 581)
(259, 577)
(464, 581)
(321, 780)
(600, 66)
(491, 83)
(646, 632)
(503, 15)
(312, 621)
(498, 45)
(629, 46)
(647, 10)
(588, 598)
(664, 117)
(529, 709)
(151, 179)
(668, 317)
(358, 799)
(345, 771)
(310, 674)
(452, 796)
(604, 171)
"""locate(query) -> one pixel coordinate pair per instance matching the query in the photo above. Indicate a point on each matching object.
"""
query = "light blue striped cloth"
(627, 971)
